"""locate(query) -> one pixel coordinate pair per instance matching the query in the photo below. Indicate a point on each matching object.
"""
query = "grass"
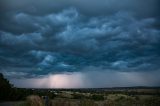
(109, 100)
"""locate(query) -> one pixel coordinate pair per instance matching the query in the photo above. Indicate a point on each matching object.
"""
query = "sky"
(80, 43)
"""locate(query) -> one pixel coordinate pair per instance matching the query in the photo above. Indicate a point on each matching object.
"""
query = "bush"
(97, 97)
(78, 96)
(34, 101)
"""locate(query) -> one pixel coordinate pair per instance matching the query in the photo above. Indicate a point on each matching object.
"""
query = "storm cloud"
(53, 37)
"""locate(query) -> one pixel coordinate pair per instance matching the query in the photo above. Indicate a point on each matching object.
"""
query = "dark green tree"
(5, 88)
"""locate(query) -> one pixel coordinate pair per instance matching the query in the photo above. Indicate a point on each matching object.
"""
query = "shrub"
(78, 96)
(34, 101)
(97, 97)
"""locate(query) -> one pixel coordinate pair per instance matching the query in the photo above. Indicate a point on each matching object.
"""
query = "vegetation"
(112, 100)
(97, 97)
(6, 90)
(31, 101)
(79, 97)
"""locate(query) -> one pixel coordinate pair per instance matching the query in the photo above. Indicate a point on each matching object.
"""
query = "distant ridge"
(105, 88)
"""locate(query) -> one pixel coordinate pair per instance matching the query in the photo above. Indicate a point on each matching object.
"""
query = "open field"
(91, 97)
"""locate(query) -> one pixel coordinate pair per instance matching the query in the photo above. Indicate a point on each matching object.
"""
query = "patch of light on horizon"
(91, 79)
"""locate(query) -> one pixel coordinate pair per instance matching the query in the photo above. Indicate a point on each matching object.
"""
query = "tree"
(5, 88)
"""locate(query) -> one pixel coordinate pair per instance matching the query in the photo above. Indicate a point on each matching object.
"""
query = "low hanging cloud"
(91, 79)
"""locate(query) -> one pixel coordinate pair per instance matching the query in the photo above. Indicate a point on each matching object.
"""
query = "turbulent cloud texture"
(55, 37)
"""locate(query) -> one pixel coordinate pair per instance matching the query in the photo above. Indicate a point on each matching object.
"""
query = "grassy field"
(138, 97)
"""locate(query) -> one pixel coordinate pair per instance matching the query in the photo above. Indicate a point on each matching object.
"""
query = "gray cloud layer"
(59, 36)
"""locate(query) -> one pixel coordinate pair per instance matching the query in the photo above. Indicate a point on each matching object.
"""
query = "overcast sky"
(80, 43)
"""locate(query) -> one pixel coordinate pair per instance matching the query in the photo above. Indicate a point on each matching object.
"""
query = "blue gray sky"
(80, 43)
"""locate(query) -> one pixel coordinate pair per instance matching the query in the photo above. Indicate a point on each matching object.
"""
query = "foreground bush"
(32, 101)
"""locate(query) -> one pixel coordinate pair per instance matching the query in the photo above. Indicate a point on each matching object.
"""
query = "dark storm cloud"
(59, 36)
(90, 6)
